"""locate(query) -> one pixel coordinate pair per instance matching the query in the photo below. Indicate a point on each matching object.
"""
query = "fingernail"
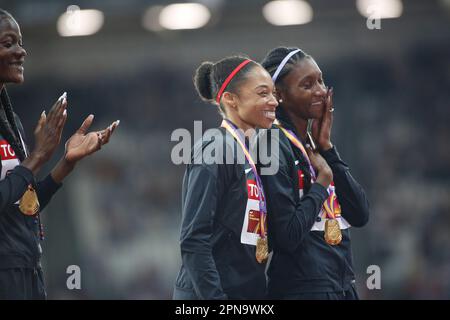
(65, 112)
(307, 145)
(62, 96)
(117, 122)
(43, 113)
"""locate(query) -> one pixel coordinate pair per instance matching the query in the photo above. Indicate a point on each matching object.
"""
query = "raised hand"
(321, 129)
(47, 135)
(49, 129)
(82, 143)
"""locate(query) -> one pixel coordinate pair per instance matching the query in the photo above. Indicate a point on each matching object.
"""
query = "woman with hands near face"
(21, 196)
(313, 199)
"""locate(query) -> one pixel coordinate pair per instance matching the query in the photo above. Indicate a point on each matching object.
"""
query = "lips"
(18, 65)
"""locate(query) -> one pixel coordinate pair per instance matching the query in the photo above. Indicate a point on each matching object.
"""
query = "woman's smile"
(269, 114)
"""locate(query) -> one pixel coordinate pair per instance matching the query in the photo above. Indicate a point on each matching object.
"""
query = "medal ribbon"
(296, 142)
(328, 205)
(262, 198)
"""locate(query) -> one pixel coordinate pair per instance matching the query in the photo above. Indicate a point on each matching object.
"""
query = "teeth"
(269, 114)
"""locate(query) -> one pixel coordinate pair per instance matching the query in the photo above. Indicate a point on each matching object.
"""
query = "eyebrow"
(262, 86)
(12, 35)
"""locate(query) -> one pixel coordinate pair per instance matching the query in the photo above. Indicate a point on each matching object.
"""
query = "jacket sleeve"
(352, 198)
(14, 186)
(202, 191)
(45, 190)
(290, 219)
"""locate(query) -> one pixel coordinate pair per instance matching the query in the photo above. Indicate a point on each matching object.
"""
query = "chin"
(316, 115)
(265, 124)
(18, 80)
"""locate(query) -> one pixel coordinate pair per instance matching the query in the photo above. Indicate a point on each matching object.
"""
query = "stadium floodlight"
(178, 16)
(76, 22)
(380, 9)
(287, 12)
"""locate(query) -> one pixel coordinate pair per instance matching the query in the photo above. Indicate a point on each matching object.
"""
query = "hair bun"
(202, 80)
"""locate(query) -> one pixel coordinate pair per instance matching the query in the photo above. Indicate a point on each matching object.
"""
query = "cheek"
(303, 97)
(250, 112)
(4, 72)
(258, 107)
(301, 102)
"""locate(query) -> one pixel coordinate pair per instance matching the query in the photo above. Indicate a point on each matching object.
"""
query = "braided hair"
(8, 125)
(276, 56)
(5, 14)
(210, 76)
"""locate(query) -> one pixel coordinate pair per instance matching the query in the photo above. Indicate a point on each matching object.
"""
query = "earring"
(280, 101)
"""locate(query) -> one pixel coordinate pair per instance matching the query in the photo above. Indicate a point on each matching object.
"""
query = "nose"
(20, 52)
(321, 90)
(273, 101)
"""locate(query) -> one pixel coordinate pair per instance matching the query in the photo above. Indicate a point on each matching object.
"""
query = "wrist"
(67, 165)
(34, 162)
(326, 146)
(62, 170)
(37, 157)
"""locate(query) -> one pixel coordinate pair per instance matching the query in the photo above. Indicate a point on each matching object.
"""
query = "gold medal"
(29, 203)
(262, 250)
(333, 234)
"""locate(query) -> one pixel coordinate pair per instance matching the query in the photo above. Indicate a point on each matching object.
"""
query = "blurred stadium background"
(118, 217)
